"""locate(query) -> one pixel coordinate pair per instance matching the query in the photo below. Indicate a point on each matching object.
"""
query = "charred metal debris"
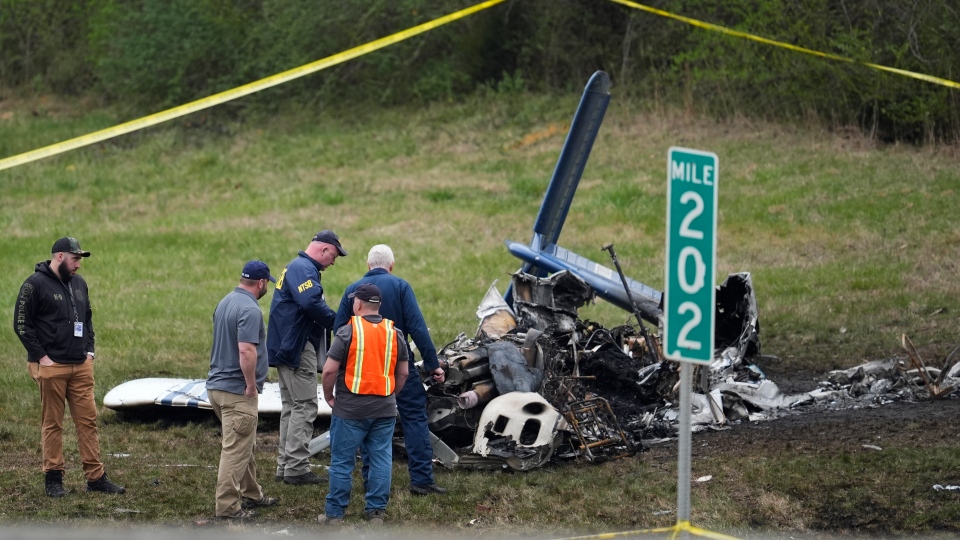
(880, 382)
(536, 383)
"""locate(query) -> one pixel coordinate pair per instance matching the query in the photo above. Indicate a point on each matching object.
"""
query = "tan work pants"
(237, 474)
(73, 384)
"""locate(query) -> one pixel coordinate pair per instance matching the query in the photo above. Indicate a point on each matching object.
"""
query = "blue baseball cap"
(257, 270)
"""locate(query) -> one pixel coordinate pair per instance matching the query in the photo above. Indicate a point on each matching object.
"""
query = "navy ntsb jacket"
(298, 310)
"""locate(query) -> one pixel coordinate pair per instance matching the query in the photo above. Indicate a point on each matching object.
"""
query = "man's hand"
(90, 358)
(34, 369)
(250, 391)
(328, 379)
(438, 375)
(46, 361)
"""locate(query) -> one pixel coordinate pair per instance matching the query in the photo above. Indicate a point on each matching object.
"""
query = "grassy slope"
(849, 245)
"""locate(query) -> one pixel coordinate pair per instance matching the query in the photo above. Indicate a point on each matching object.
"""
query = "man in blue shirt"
(300, 322)
(399, 304)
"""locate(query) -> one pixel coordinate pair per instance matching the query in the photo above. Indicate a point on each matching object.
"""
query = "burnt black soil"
(828, 432)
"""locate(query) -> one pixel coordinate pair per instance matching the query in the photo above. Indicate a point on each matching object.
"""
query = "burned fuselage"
(536, 383)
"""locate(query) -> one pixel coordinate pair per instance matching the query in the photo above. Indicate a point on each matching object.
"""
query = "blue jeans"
(412, 406)
(412, 409)
(375, 437)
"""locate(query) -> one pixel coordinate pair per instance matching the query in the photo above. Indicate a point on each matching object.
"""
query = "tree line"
(153, 54)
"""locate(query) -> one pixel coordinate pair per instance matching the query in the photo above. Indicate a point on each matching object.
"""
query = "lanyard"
(76, 312)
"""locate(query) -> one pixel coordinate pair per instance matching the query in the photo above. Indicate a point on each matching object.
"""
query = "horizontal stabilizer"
(604, 281)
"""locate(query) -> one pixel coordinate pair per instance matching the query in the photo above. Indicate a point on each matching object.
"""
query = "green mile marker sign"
(690, 295)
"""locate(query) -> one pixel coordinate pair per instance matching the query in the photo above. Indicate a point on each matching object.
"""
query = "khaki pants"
(73, 384)
(298, 398)
(237, 473)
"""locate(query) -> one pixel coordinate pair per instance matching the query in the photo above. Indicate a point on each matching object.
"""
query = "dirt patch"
(900, 424)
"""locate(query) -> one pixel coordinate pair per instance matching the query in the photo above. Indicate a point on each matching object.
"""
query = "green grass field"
(850, 246)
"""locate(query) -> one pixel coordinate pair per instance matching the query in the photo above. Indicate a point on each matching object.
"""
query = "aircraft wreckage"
(535, 383)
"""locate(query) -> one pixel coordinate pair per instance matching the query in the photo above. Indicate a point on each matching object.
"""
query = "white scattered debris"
(706, 478)
(871, 447)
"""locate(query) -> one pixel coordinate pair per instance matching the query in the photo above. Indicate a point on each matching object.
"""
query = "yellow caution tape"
(724, 30)
(239, 91)
(680, 527)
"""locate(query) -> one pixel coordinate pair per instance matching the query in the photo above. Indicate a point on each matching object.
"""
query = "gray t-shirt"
(359, 406)
(238, 318)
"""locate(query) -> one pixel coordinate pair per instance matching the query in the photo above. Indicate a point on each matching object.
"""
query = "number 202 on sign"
(689, 295)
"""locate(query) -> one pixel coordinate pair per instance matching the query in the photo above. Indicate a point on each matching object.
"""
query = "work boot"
(375, 517)
(331, 521)
(427, 490)
(304, 479)
(53, 483)
(104, 485)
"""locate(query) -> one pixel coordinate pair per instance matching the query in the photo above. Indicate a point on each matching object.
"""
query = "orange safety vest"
(372, 358)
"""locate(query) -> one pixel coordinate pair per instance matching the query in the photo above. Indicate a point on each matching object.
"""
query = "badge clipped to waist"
(78, 329)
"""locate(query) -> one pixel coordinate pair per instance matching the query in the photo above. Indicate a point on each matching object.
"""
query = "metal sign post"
(689, 296)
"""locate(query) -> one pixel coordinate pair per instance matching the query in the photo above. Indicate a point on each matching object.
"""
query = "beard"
(65, 275)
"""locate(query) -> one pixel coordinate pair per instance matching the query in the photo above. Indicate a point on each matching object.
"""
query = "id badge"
(78, 329)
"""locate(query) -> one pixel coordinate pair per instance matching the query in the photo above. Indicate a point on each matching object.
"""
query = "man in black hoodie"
(54, 321)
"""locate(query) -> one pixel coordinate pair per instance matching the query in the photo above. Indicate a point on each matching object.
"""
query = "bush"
(154, 54)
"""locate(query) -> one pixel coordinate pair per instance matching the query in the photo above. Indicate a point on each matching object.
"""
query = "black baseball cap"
(368, 292)
(257, 270)
(69, 245)
(329, 237)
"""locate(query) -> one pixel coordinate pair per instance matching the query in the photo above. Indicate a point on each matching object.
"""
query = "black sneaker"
(304, 479)
(427, 490)
(53, 484)
(104, 485)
